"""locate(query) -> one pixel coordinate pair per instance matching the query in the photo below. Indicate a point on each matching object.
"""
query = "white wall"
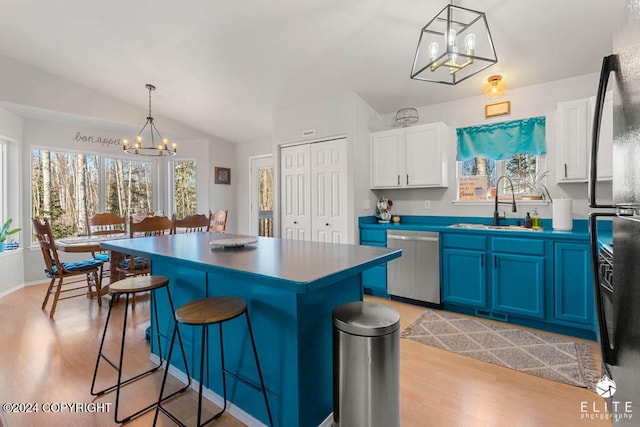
(346, 115)
(531, 101)
(55, 109)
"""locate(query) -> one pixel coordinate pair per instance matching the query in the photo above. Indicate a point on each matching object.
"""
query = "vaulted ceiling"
(225, 66)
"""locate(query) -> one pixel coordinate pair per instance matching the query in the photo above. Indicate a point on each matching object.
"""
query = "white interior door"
(261, 201)
(329, 191)
(295, 200)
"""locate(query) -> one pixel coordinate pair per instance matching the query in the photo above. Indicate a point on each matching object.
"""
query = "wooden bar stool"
(205, 312)
(130, 286)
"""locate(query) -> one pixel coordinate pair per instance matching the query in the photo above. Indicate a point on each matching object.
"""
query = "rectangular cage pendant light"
(453, 46)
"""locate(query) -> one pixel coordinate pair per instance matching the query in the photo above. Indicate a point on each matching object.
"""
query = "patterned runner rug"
(507, 345)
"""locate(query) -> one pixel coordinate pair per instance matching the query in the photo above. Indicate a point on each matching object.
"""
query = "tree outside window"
(184, 187)
(520, 168)
(66, 188)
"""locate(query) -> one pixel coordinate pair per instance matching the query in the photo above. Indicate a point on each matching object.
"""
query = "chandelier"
(453, 46)
(151, 149)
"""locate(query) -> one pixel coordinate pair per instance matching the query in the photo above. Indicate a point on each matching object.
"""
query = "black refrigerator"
(616, 263)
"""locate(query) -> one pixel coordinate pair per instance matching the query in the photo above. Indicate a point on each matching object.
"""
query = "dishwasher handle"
(420, 238)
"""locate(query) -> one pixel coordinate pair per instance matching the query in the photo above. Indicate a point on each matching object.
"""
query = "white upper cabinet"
(575, 125)
(573, 140)
(410, 157)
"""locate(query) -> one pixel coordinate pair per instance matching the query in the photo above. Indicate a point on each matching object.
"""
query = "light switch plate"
(427, 204)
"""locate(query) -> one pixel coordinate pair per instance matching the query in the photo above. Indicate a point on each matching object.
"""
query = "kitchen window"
(522, 168)
(513, 149)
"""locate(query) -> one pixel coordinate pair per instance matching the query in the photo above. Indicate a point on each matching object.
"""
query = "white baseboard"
(211, 396)
(11, 290)
(328, 422)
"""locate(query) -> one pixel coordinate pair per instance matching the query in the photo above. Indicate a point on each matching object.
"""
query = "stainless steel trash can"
(366, 365)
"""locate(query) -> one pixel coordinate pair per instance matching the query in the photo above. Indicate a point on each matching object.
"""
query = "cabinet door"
(387, 158)
(425, 157)
(464, 277)
(518, 285)
(295, 197)
(573, 283)
(329, 191)
(572, 140)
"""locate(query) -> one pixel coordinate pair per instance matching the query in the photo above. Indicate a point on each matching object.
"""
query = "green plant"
(532, 182)
(5, 231)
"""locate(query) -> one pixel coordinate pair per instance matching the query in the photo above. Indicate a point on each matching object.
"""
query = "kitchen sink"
(493, 227)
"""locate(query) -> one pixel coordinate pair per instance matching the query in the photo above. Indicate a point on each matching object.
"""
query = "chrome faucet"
(496, 214)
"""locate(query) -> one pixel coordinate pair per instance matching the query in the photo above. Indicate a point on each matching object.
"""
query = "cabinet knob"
(327, 224)
(295, 222)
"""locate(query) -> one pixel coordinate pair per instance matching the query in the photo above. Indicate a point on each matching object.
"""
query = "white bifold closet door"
(314, 191)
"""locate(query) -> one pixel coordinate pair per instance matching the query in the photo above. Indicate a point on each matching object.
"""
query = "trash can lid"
(366, 318)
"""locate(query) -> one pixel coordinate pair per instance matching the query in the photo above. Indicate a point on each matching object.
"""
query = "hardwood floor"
(43, 361)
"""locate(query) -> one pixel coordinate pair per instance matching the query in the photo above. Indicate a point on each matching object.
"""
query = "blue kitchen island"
(290, 286)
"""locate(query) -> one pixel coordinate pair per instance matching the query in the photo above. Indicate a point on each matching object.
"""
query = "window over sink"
(514, 149)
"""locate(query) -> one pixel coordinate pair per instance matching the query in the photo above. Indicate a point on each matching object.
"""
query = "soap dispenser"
(535, 220)
(527, 221)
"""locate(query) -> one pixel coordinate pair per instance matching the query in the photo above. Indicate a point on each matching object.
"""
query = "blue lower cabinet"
(518, 285)
(573, 283)
(463, 277)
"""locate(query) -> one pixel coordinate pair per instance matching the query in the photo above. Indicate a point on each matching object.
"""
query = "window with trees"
(128, 186)
(184, 187)
(66, 187)
(520, 168)
(511, 149)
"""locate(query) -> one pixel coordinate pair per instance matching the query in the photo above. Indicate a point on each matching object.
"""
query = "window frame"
(499, 171)
(101, 166)
(171, 181)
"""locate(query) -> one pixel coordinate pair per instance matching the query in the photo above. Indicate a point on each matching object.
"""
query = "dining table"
(91, 244)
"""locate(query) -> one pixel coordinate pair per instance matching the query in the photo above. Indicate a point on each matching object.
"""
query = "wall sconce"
(495, 87)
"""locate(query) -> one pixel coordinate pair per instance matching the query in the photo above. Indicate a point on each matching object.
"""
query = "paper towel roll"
(563, 214)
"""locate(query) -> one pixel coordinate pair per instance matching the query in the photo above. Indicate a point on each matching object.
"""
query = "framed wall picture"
(498, 109)
(223, 175)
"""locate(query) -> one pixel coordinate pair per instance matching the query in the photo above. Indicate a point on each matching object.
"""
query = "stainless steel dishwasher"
(416, 274)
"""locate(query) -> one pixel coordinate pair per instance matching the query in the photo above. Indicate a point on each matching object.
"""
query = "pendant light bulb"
(470, 42)
(434, 48)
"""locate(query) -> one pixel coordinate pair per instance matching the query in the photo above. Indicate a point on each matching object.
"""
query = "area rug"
(507, 345)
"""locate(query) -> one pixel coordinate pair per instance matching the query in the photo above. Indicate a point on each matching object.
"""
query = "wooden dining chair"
(57, 270)
(105, 224)
(148, 226)
(191, 223)
(219, 221)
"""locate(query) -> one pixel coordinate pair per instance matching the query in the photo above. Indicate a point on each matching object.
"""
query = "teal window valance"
(498, 141)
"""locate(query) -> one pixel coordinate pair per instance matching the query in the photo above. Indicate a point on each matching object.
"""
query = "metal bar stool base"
(216, 310)
(154, 283)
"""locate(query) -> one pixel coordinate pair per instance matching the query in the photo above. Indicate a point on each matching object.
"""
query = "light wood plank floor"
(43, 361)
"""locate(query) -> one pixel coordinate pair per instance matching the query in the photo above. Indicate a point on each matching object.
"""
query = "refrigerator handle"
(609, 65)
(608, 353)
